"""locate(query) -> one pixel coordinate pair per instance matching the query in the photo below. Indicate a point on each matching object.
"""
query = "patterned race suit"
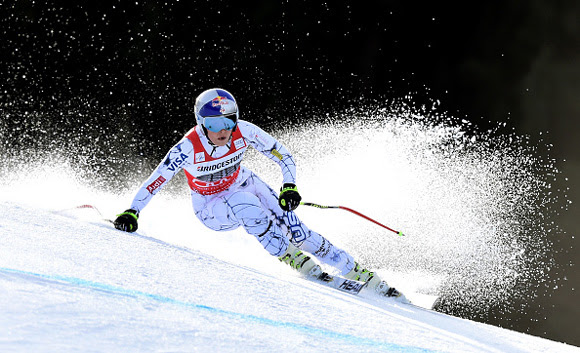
(226, 195)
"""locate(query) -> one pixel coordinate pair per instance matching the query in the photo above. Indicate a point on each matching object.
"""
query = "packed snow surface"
(70, 282)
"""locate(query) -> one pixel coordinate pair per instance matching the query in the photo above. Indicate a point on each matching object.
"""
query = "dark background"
(125, 74)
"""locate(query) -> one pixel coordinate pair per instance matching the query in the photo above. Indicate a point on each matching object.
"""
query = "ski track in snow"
(70, 282)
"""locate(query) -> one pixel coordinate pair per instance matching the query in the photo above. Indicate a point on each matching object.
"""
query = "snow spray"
(475, 206)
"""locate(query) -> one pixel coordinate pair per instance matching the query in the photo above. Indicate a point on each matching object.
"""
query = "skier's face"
(220, 138)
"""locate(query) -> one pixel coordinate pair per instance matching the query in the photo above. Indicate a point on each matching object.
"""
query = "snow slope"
(70, 282)
(468, 205)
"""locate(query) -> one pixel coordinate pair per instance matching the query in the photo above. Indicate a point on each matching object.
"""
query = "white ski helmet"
(216, 109)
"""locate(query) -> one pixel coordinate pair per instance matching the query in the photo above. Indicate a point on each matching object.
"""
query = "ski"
(355, 287)
(342, 284)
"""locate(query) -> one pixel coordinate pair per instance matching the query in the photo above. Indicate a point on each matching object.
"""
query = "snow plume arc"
(473, 205)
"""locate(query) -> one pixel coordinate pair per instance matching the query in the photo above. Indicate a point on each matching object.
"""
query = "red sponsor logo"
(156, 184)
(218, 101)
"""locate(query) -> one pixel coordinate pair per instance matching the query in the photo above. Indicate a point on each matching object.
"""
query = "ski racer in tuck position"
(226, 195)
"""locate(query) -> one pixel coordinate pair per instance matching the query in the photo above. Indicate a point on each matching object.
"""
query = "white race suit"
(226, 195)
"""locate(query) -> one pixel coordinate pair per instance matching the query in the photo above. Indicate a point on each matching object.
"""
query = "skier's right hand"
(127, 221)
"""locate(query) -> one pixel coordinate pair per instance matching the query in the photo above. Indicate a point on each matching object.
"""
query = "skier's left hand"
(289, 197)
(127, 221)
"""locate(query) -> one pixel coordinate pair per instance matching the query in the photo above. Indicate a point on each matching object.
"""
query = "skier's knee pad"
(273, 240)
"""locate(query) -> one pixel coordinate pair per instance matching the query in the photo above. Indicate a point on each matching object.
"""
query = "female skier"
(226, 195)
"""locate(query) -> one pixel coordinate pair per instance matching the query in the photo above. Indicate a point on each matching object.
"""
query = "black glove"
(289, 197)
(127, 221)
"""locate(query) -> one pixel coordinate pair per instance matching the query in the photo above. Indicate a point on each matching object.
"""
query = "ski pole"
(85, 206)
(355, 212)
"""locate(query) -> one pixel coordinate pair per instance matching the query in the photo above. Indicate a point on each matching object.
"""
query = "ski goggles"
(219, 123)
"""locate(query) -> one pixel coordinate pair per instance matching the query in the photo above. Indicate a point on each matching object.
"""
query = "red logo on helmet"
(218, 101)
